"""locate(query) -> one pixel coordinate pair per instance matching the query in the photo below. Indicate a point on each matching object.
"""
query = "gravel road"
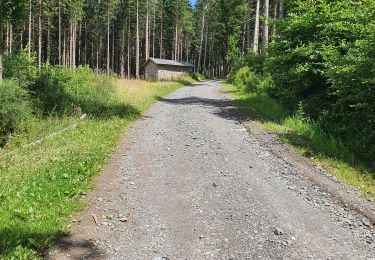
(189, 181)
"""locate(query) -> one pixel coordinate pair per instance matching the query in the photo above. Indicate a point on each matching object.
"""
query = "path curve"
(190, 182)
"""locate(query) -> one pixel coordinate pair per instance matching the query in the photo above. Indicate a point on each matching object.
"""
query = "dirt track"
(190, 182)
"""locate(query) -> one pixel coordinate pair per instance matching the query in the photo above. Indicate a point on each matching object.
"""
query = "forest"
(312, 61)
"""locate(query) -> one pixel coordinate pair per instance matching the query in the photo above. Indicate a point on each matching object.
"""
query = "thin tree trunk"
(7, 38)
(74, 42)
(153, 31)
(147, 50)
(256, 29)
(64, 50)
(48, 41)
(128, 48)
(137, 44)
(108, 42)
(122, 54)
(249, 25)
(161, 31)
(265, 34)
(1, 51)
(40, 36)
(201, 42)
(113, 49)
(244, 37)
(59, 48)
(275, 16)
(80, 44)
(281, 9)
(21, 37)
(176, 34)
(30, 27)
(205, 52)
(10, 38)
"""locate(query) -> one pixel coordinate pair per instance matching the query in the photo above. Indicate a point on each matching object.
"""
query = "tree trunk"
(201, 42)
(48, 41)
(275, 16)
(80, 44)
(281, 9)
(265, 34)
(122, 54)
(59, 48)
(205, 53)
(21, 36)
(40, 36)
(1, 51)
(113, 50)
(128, 48)
(153, 31)
(10, 38)
(108, 42)
(249, 25)
(30, 27)
(64, 50)
(137, 44)
(256, 29)
(147, 50)
(161, 32)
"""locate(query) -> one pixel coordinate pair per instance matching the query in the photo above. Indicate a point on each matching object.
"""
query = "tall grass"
(308, 138)
(41, 183)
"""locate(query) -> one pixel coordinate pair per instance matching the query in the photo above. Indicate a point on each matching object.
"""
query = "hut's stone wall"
(157, 72)
(172, 72)
(151, 71)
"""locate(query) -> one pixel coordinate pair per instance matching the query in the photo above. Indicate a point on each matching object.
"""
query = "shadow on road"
(224, 108)
(83, 249)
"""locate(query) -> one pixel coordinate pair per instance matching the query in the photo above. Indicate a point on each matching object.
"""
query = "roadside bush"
(197, 76)
(63, 91)
(353, 86)
(15, 108)
(246, 80)
(21, 68)
(255, 62)
(323, 57)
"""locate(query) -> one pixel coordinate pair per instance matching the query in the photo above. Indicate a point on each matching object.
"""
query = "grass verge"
(307, 139)
(41, 183)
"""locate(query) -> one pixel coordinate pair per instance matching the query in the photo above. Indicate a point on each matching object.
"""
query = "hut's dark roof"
(170, 62)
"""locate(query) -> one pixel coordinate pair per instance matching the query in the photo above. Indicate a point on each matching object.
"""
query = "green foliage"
(254, 62)
(21, 68)
(352, 77)
(246, 80)
(14, 108)
(63, 91)
(323, 56)
(197, 76)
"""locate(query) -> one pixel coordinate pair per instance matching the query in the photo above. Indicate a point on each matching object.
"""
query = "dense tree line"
(320, 62)
(119, 35)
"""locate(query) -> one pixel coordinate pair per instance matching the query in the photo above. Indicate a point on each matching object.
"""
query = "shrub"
(353, 114)
(246, 80)
(255, 62)
(21, 68)
(64, 91)
(14, 108)
(197, 76)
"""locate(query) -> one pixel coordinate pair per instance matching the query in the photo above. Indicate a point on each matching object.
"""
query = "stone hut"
(158, 69)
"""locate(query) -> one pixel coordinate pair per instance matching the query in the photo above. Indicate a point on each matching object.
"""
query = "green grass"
(41, 184)
(308, 139)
